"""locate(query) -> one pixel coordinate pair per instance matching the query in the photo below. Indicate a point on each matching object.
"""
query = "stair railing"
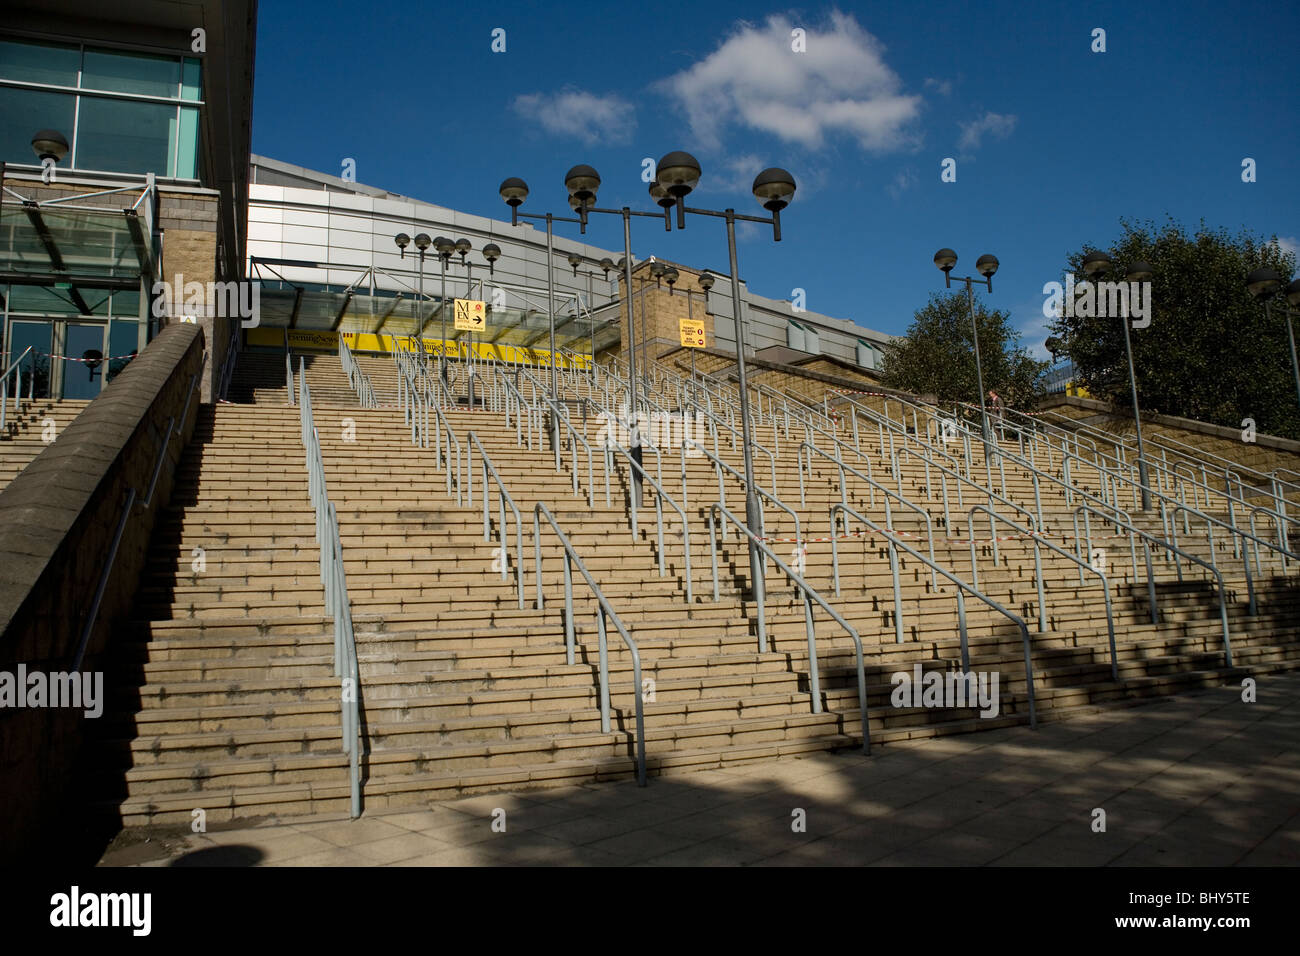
(894, 543)
(14, 373)
(504, 500)
(1147, 541)
(358, 379)
(288, 377)
(873, 485)
(810, 595)
(1039, 542)
(661, 496)
(337, 604)
(604, 612)
(719, 466)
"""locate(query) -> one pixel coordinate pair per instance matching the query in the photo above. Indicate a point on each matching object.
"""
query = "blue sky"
(1053, 143)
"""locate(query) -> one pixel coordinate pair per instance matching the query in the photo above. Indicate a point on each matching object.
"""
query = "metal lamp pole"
(1095, 264)
(987, 266)
(678, 173)
(582, 183)
(1262, 284)
(444, 247)
(422, 243)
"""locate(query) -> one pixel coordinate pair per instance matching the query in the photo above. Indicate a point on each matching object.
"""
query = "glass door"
(38, 335)
(83, 360)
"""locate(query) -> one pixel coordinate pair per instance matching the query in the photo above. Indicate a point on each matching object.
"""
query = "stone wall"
(58, 519)
(1264, 454)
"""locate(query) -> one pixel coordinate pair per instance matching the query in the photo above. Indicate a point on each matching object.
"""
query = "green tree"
(937, 355)
(1210, 353)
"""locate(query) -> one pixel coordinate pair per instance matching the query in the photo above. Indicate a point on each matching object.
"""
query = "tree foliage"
(937, 355)
(1210, 352)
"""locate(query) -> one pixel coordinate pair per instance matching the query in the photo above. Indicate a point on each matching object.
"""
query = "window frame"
(177, 101)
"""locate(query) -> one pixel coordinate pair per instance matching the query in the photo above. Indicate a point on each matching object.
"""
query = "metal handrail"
(894, 542)
(737, 435)
(520, 407)
(1039, 541)
(1223, 607)
(809, 595)
(15, 370)
(357, 378)
(288, 376)
(416, 405)
(604, 609)
(504, 500)
(337, 603)
(719, 466)
(660, 497)
(575, 436)
(228, 365)
(889, 520)
(128, 509)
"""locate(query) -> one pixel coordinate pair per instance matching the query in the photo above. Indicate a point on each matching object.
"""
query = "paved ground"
(1199, 780)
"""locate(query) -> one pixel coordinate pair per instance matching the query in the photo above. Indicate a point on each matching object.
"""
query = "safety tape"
(908, 534)
(69, 358)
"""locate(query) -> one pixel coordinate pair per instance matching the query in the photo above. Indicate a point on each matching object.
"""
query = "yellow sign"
(693, 334)
(471, 315)
(322, 340)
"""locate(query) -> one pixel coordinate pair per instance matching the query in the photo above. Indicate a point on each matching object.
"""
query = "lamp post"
(606, 266)
(677, 175)
(444, 247)
(1095, 264)
(582, 183)
(491, 252)
(986, 266)
(1263, 284)
(422, 243)
(705, 282)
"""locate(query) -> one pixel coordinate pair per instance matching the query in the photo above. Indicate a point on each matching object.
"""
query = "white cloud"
(1290, 244)
(904, 181)
(840, 85)
(736, 174)
(585, 116)
(942, 87)
(997, 125)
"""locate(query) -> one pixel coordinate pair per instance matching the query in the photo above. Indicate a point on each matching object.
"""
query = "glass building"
(152, 142)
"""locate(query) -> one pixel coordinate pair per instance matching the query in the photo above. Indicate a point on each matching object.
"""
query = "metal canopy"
(57, 243)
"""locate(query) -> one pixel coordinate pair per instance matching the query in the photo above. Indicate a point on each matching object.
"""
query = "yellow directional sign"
(471, 315)
(693, 334)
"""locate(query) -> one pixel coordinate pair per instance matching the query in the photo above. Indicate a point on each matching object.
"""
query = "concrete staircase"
(25, 434)
(223, 690)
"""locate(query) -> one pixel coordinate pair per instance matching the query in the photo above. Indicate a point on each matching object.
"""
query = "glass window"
(23, 112)
(41, 300)
(125, 304)
(187, 153)
(123, 339)
(191, 79)
(125, 137)
(39, 62)
(37, 335)
(80, 379)
(131, 73)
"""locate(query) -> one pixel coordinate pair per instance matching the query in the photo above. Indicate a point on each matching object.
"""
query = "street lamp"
(444, 247)
(606, 265)
(1095, 264)
(986, 266)
(677, 174)
(49, 144)
(1263, 284)
(582, 183)
(422, 243)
